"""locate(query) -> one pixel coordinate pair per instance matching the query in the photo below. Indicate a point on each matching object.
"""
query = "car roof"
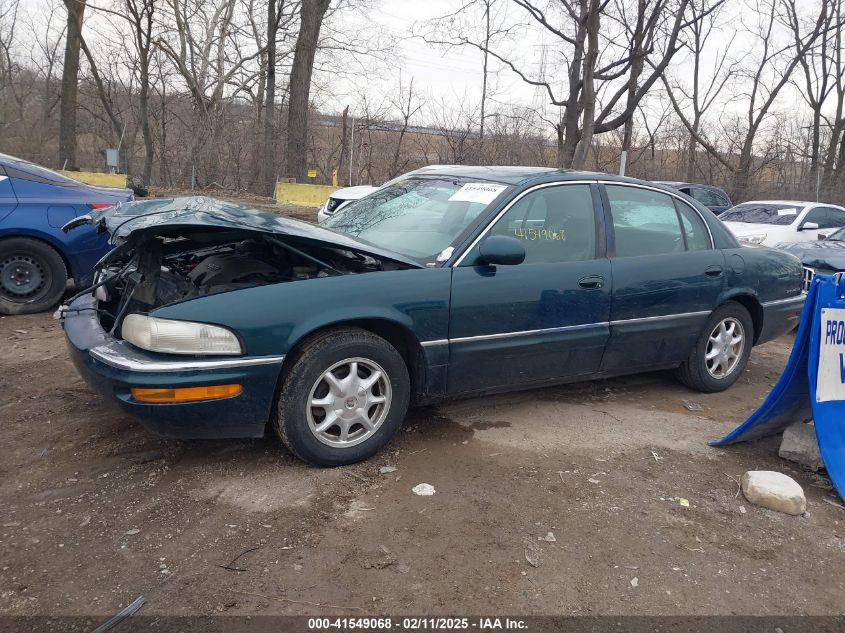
(520, 174)
(792, 202)
(680, 183)
(512, 175)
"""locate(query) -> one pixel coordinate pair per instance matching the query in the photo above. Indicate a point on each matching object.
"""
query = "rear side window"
(555, 224)
(645, 222)
(698, 238)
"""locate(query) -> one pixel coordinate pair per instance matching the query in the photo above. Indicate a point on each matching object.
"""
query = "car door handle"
(713, 271)
(591, 282)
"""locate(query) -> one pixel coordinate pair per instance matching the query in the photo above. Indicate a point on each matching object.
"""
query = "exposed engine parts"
(162, 270)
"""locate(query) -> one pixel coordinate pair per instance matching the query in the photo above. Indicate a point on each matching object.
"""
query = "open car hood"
(134, 220)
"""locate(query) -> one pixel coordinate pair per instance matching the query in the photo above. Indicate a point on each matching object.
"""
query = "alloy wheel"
(725, 347)
(349, 402)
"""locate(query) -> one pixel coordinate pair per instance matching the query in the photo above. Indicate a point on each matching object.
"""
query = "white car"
(340, 199)
(770, 222)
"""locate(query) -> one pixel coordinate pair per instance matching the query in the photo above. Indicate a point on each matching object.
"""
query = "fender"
(271, 319)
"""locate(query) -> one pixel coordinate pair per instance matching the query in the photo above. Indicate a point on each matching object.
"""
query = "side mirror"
(808, 226)
(501, 250)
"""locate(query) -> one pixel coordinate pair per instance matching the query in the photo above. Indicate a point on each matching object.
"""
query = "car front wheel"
(32, 276)
(343, 397)
(721, 353)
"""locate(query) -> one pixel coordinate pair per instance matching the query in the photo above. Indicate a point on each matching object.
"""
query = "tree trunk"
(742, 175)
(344, 147)
(588, 94)
(637, 63)
(691, 148)
(70, 86)
(269, 141)
(143, 110)
(311, 19)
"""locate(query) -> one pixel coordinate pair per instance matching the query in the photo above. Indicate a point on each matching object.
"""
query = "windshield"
(837, 236)
(762, 213)
(416, 217)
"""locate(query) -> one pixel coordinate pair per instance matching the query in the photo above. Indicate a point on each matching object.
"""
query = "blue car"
(36, 257)
(214, 320)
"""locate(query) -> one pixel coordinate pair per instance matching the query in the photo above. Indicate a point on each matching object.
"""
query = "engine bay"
(165, 269)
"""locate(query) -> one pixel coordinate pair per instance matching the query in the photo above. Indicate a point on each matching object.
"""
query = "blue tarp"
(795, 396)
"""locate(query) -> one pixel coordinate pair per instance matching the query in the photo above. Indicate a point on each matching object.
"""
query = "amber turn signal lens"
(185, 394)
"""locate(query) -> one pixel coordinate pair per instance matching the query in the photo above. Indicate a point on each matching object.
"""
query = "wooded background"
(235, 94)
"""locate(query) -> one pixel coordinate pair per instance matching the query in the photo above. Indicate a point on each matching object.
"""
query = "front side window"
(836, 217)
(762, 213)
(645, 222)
(555, 224)
(416, 217)
(830, 219)
(817, 215)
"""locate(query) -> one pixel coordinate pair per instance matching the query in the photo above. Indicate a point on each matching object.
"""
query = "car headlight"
(179, 337)
(753, 239)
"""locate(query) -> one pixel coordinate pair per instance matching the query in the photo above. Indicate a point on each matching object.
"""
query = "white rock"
(423, 490)
(799, 445)
(774, 490)
(385, 470)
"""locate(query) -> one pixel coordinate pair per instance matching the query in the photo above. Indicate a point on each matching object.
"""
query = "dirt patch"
(95, 511)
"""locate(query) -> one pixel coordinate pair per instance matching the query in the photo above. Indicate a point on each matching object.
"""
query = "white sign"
(483, 192)
(787, 211)
(830, 384)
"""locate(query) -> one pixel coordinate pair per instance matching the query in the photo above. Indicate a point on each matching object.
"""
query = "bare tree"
(766, 76)
(706, 86)
(70, 87)
(141, 15)
(587, 34)
(818, 81)
(312, 13)
(407, 108)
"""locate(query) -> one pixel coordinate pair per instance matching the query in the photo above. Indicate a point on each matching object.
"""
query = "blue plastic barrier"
(812, 383)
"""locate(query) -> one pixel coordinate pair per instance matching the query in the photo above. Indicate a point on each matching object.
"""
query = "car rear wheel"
(33, 276)
(721, 353)
(342, 398)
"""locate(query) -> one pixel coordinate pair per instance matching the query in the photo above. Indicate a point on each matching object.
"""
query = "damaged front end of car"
(181, 249)
(163, 331)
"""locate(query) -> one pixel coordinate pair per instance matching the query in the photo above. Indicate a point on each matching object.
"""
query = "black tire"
(296, 422)
(694, 371)
(33, 276)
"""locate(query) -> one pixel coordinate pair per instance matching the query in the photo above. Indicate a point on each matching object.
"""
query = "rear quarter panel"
(41, 211)
(765, 273)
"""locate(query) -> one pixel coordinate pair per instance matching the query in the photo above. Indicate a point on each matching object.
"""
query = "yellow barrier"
(98, 179)
(303, 195)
